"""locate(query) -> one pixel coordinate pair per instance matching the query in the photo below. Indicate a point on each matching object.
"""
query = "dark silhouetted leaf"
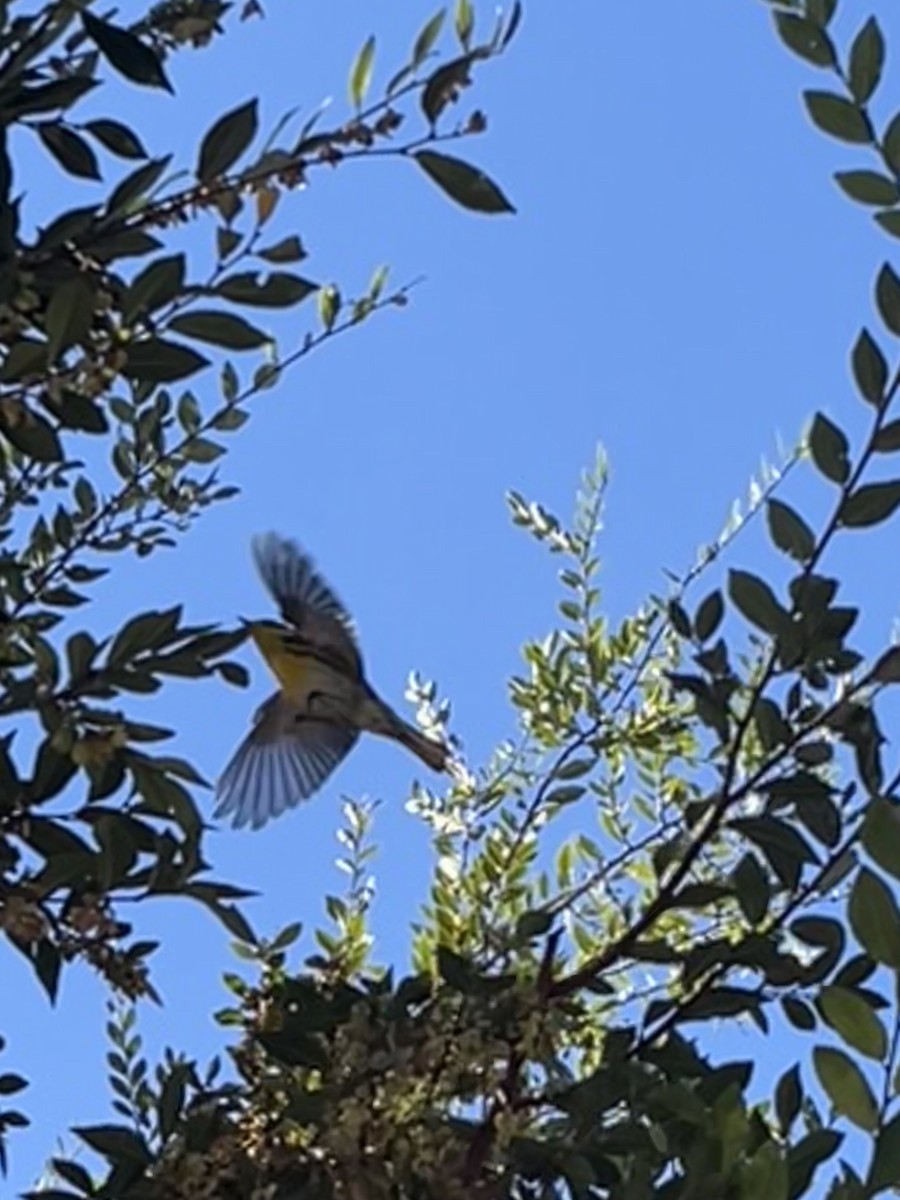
(887, 440)
(115, 1143)
(289, 249)
(805, 38)
(277, 290)
(830, 449)
(881, 834)
(125, 197)
(221, 329)
(838, 116)
(30, 432)
(156, 285)
(789, 531)
(155, 360)
(884, 1172)
(756, 601)
(875, 919)
(853, 1020)
(70, 315)
(117, 138)
(465, 184)
(226, 141)
(887, 297)
(868, 187)
(866, 61)
(798, 1013)
(788, 1098)
(869, 369)
(126, 53)
(869, 505)
(709, 616)
(71, 151)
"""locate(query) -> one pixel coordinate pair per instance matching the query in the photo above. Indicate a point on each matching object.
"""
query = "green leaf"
(887, 440)
(789, 531)
(361, 73)
(533, 924)
(220, 329)
(838, 116)
(887, 297)
(70, 315)
(155, 286)
(276, 290)
(885, 1169)
(805, 38)
(427, 37)
(853, 1020)
(830, 449)
(870, 369)
(71, 151)
(765, 1174)
(870, 505)
(465, 184)
(756, 601)
(126, 53)
(846, 1087)
(464, 22)
(117, 138)
(226, 141)
(868, 187)
(875, 919)
(155, 360)
(866, 61)
(881, 834)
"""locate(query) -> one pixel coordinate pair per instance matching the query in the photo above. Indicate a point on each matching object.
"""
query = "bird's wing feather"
(305, 599)
(284, 759)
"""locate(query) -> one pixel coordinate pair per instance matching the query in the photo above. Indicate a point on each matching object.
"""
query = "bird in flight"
(323, 701)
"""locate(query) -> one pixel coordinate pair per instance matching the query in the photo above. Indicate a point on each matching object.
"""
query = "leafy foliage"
(111, 342)
(697, 822)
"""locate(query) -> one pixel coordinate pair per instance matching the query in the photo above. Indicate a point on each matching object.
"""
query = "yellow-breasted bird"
(302, 732)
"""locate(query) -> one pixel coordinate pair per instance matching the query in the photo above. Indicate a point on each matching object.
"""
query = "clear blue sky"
(682, 282)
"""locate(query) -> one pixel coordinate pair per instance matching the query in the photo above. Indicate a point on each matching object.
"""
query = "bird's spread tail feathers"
(378, 717)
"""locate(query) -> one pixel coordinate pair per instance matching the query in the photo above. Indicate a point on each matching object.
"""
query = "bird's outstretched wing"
(283, 760)
(305, 600)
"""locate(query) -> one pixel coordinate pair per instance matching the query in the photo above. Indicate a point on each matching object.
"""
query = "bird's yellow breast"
(291, 670)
